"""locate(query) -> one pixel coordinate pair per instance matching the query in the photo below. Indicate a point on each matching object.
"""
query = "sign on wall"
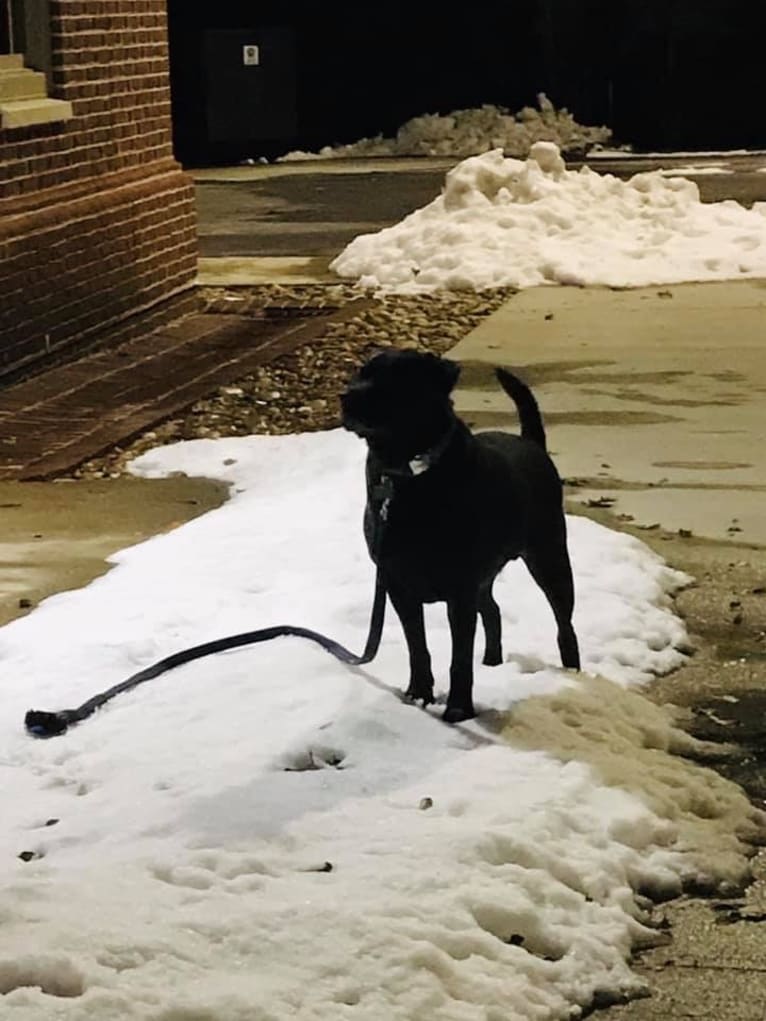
(251, 56)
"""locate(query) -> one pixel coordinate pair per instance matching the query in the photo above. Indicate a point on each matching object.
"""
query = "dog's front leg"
(410, 613)
(462, 612)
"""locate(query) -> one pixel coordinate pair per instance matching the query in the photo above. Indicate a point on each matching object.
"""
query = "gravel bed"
(298, 392)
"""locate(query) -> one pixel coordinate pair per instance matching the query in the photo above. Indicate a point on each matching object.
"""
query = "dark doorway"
(233, 82)
(249, 76)
(6, 34)
(25, 28)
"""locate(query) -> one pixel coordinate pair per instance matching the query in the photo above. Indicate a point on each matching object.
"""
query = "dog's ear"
(451, 372)
(448, 373)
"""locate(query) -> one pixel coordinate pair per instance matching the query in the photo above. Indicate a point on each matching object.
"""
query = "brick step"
(21, 83)
(11, 61)
(23, 113)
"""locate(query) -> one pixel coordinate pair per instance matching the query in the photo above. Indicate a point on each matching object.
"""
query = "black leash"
(46, 724)
(40, 723)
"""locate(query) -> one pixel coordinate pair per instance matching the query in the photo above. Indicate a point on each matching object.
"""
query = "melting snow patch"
(506, 222)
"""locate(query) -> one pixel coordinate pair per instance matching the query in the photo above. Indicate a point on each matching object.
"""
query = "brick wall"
(96, 217)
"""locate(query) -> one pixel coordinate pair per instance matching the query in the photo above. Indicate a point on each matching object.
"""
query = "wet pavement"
(56, 536)
(653, 397)
(300, 214)
(738, 719)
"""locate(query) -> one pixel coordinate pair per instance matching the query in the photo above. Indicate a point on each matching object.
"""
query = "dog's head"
(399, 403)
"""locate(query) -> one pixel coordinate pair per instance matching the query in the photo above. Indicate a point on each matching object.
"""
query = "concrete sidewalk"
(654, 397)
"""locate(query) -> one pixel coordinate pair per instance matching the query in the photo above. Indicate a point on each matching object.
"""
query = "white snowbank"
(182, 840)
(469, 132)
(507, 222)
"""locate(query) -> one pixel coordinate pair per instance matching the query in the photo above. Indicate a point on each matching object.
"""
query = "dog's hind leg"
(462, 612)
(552, 571)
(490, 618)
(410, 613)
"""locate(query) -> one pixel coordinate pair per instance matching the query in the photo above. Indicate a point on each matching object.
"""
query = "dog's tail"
(529, 413)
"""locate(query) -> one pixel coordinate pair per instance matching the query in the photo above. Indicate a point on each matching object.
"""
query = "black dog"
(447, 509)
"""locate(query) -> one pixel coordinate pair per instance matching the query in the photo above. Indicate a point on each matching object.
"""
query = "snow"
(469, 132)
(696, 169)
(604, 153)
(505, 222)
(181, 840)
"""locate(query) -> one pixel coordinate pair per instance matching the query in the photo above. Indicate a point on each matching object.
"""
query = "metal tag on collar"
(420, 464)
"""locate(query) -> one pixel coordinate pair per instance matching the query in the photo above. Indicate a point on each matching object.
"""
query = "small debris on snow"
(324, 867)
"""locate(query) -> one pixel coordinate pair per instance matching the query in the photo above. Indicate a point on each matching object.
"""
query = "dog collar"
(421, 463)
(384, 490)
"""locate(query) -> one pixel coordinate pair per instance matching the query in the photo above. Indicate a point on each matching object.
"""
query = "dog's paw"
(414, 695)
(457, 713)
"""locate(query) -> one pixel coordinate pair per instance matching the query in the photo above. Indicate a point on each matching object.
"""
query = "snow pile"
(506, 222)
(469, 132)
(626, 739)
(269, 834)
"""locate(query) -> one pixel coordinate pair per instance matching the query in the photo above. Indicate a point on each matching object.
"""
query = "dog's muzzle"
(352, 404)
